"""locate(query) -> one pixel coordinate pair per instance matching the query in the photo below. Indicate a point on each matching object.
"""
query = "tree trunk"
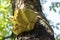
(42, 30)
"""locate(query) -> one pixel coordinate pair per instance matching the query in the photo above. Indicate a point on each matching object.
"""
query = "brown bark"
(42, 30)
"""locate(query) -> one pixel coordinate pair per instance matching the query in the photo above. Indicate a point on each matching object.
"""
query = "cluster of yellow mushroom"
(23, 20)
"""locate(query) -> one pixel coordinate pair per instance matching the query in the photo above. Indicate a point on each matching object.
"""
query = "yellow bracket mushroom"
(23, 20)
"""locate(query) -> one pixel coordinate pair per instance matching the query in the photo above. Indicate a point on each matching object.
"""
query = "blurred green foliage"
(54, 5)
(5, 24)
(57, 37)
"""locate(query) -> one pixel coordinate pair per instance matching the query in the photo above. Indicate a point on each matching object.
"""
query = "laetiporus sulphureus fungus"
(23, 20)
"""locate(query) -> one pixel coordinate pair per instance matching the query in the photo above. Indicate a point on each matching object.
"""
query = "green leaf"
(58, 24)
(52, 5)
(0, 38)
(57, 5)
(54, 9)
(57, 27)
(50, 8)
(3, 10)
(1, 6)
(53, 26)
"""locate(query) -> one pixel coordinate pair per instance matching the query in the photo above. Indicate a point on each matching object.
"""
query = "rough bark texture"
(42, 30)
